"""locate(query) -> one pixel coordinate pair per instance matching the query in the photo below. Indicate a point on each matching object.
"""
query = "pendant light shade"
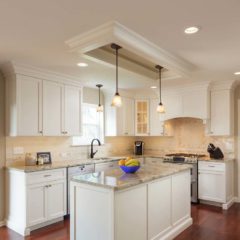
(160, 107)
(100, 106)
(117, 100)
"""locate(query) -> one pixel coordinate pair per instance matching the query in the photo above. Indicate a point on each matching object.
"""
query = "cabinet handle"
(49, 185)
(47, 175)
(211, 166)
(40, 131)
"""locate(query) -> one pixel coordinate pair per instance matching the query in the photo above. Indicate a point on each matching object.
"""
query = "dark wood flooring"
(209, 223)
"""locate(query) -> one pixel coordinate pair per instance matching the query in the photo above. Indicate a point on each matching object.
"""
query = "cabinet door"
(221, 113)
(159, 207)
(29, 106)
(142, 118)
(36, 204)
(211, 186)
(56, 199)
(72, 111)
(181, 196)
(156, 119)
(125, 118)
(52, 108)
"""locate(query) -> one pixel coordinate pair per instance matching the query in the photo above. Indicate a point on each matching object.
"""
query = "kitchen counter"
(61, 164)
(116, 179)
(208, 159)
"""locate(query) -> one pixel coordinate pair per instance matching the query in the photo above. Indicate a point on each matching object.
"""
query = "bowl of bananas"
(129, 165)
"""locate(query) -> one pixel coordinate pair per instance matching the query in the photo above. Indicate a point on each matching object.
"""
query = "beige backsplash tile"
(189, 136)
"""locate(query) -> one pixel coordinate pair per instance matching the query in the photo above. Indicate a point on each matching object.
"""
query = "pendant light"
(100, 106)
(160, 107)
(117, 100)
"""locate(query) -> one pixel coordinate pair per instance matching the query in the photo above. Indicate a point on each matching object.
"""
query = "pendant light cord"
(99, 100)
(116, 70)
(160, 85)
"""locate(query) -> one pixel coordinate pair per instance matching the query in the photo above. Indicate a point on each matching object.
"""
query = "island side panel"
(159, 207)
(131, 213)
(91, 212)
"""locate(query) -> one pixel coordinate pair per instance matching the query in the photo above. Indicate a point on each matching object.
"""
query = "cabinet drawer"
(211, 166)
(44, 176)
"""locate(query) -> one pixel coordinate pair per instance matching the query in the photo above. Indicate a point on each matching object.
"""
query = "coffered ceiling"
(35, 32)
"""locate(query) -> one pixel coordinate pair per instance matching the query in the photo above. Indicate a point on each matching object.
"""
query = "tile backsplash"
(189, 136)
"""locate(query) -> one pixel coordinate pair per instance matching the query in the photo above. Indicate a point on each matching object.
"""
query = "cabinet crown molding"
(11, 69)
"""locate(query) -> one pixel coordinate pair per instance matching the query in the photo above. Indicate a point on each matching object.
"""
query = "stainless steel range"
(186, 158)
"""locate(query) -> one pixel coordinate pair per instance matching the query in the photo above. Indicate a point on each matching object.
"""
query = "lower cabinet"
(215, 182)
(35, 199)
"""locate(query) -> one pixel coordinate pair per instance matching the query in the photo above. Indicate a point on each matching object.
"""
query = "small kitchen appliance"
(138, 147)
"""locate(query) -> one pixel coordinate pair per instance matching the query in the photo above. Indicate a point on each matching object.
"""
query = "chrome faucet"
(99, 144)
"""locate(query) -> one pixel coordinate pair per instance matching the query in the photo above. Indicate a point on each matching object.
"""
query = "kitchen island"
(153, 203)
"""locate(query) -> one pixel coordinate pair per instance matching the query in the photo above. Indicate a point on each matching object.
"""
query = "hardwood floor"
(209, 223)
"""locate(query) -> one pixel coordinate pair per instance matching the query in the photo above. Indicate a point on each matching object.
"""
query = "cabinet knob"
(40, 131)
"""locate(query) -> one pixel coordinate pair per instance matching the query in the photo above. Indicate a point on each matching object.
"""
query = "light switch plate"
(18, 150)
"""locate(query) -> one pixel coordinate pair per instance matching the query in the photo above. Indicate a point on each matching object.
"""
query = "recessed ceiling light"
(82, 64)
(191, 30)
(153, 87)
(237, 73)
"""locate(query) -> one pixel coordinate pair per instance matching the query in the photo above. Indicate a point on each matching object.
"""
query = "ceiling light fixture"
(237, 73)
(117, 100)
(191, 30)
(82, 64)
(100, 106)
(153, 87)
(160, 107)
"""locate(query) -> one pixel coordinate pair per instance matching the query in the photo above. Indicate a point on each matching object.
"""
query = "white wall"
(2, 148)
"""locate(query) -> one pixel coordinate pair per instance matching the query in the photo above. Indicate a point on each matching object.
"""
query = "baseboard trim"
(227, 205)
(2, 223)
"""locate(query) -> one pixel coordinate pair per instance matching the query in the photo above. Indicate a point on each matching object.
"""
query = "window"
(92, 126)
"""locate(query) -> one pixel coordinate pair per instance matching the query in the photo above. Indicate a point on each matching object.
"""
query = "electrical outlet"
(18, 150)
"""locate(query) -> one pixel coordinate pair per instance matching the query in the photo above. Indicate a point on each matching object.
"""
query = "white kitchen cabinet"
(36, 106)
(215, 182)
(173, 105)
(35, 199)
(142, 117)
(72, 110)
(221, 111)
(119, 121)
(53, 108)
(61, 109)
(24, 106)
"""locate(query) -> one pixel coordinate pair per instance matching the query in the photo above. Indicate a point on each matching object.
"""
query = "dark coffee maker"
(138, 147)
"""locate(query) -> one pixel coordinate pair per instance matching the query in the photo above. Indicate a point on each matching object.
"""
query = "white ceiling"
(34, 32)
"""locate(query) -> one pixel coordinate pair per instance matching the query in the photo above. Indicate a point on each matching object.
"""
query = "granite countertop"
(116, 179)
(215, 160)
(61, 164)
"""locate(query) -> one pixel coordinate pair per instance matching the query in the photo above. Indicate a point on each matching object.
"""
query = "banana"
(132, 162)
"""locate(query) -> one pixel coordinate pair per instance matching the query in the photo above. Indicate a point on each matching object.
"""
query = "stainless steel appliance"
(73, 171)
(138, 147)
(186, 158)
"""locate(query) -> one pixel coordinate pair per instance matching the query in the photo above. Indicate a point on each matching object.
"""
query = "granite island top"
(116, 179)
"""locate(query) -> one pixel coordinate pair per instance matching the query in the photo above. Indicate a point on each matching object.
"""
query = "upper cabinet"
(221, 111)
(119, 121)
(142, 117)
(52, 108)
(36, 107)
(27, 113)
(188, 102)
